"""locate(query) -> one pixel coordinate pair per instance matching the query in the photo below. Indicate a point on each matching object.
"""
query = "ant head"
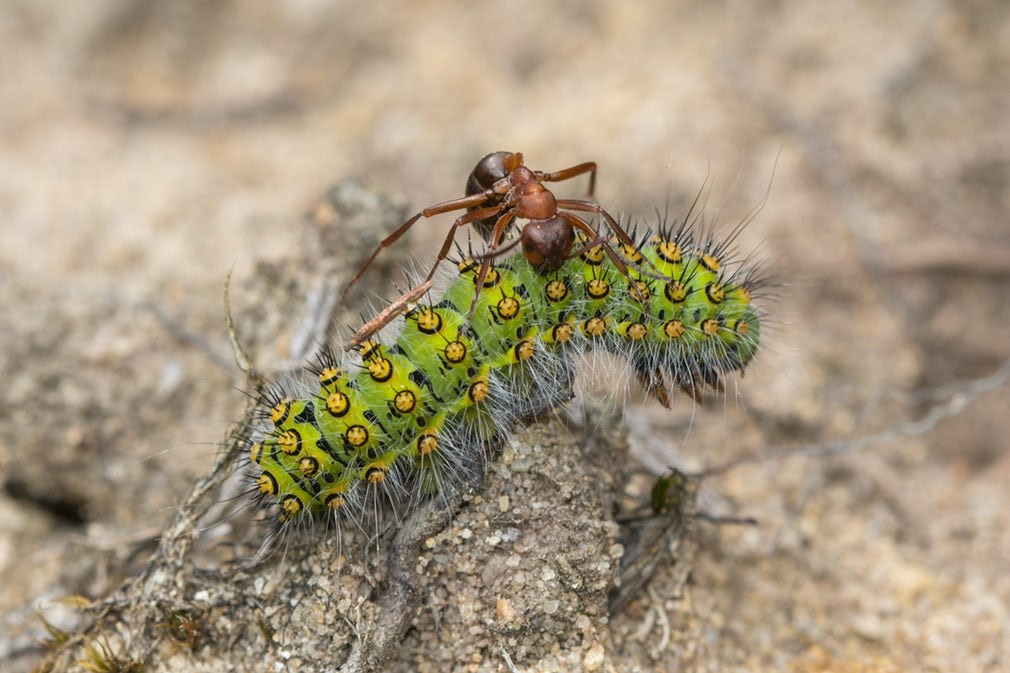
(546, 243)
(513, 161)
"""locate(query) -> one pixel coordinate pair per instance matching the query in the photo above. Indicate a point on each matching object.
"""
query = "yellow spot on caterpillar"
(308, 466)
(405, 401)
(334, 500)
(742, 327)
(744, 294)
(426, 444)
(280, 411)
(455, 352)
(710, 326)
(255, 451)
(429, 321)
(375, 475)
(597, 288)
(630, 253)
(561, 332)
(593, 256)
(524, 350)
(715, 293)
(636, 331)
(508, 308)
(478, 392)
(291, 504)
(667, 250)
(368, 347)
(290, 441)
(329, 376)
(676, 292)
(356, 435)
(468, 266)
(557, 290)
(380, 370)
(595, 326)
(492, 278)
(337, 404)
(267, 484)
(673, 329)
(710, 262)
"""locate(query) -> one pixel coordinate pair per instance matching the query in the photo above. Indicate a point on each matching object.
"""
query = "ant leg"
(397, 307)
(430, 211)
(590, 207)
(569, 173)
(622, 235)
(499, 252)
(599, 240)
(596, 239)
(492, 251)
(605, 243)
(594, 235)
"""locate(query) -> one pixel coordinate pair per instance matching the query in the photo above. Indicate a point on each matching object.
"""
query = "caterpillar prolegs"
(398, 419)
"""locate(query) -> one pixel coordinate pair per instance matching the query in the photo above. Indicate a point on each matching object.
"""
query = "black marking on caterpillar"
(399, 420)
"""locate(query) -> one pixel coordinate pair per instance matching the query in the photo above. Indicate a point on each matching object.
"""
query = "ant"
(501, 189)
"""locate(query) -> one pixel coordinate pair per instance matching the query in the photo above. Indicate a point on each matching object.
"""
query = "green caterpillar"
(400, 419)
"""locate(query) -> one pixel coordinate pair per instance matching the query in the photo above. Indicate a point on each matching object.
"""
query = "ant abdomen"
(488, 171)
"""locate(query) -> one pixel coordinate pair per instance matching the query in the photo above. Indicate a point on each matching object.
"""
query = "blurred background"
(150, 149)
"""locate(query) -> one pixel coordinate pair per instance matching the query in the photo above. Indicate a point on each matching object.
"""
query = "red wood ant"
(501, 189)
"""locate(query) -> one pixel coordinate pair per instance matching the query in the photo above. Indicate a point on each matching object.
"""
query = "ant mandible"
(501, 189)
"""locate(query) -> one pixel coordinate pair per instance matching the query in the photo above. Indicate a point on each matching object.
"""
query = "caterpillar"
(396, 420)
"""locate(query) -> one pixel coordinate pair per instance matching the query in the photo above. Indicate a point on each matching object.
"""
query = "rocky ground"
(152, 149)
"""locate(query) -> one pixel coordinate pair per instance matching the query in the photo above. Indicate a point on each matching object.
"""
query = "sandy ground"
(150, 149)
